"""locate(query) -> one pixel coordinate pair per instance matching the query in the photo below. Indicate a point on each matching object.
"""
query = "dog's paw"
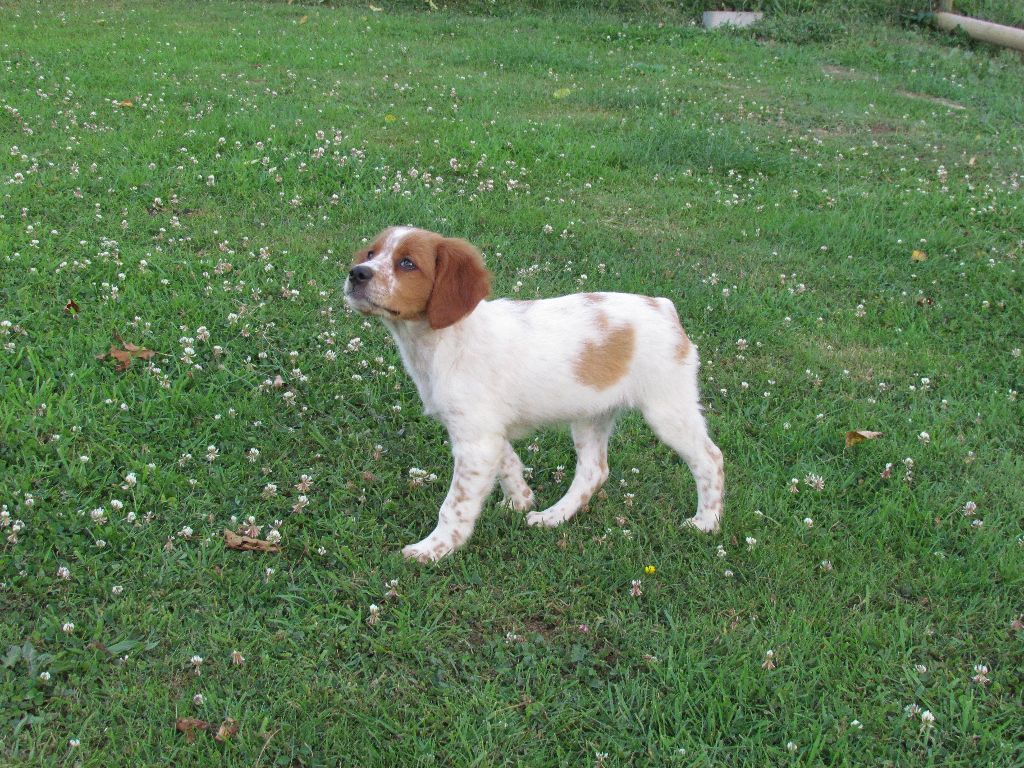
(545, 519)
(519, 502)
(430, 550)
(705, 524)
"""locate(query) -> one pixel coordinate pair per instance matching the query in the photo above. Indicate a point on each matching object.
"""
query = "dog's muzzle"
(359, 276)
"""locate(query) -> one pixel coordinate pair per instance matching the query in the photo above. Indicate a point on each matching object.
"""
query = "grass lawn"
(841, 225)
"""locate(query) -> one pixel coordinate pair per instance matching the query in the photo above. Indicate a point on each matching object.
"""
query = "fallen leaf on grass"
(189, 726)
(72, 308)
(125, 354)
(233, 540)
(304, 19)
(126, 103)
(227, 729)
(859, 436)
(918, 256)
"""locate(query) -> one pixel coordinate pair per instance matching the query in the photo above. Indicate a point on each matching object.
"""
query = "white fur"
(510, 367)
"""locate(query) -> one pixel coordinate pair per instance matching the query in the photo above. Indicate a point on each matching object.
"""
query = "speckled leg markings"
(591, 441)
(476, 466)
(510, 474)
(685, 432)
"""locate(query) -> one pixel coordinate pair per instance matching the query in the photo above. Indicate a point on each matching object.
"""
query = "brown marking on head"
(422, 276)
(412, 287)
(602, 363)
(367, 253)
(460, 282)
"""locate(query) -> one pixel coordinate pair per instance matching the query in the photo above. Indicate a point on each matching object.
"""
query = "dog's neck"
(428, 353)
(417, 343)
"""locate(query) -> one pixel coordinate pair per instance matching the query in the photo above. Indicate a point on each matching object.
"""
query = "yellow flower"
(389, 118)
(649, 569)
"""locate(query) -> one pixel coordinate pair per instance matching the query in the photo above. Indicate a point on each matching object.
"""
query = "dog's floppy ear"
(460, 283)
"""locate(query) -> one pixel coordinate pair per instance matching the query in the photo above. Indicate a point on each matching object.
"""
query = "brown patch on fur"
(378, 243)
(460, 282)
(604, 362)
(593, 298)
(653, 303)
(683, 345)
(411, 294)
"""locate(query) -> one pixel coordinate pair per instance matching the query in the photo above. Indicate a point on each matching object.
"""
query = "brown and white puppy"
(492, 371)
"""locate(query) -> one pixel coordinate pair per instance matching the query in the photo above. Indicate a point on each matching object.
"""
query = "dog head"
(413, 274)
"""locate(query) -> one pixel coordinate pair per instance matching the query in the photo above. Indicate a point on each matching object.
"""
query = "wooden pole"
(1009, 37)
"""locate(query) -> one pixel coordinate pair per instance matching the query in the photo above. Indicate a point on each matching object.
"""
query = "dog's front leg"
(476, 467)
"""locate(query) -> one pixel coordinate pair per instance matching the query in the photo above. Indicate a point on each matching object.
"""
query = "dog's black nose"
(360, 275)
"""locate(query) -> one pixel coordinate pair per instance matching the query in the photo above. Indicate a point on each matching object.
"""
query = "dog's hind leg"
(591, 441)
(675, 417)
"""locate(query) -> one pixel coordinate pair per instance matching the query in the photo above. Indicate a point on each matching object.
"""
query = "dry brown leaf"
(918, 256)
(860, 435)
(126, 103)
(125, 354)
(304, 19)
(72, 308)
(234, 540)
(189, 726)
(227, 729)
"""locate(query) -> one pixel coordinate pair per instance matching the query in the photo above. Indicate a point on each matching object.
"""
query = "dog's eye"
(407, 265)
(369, 255)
